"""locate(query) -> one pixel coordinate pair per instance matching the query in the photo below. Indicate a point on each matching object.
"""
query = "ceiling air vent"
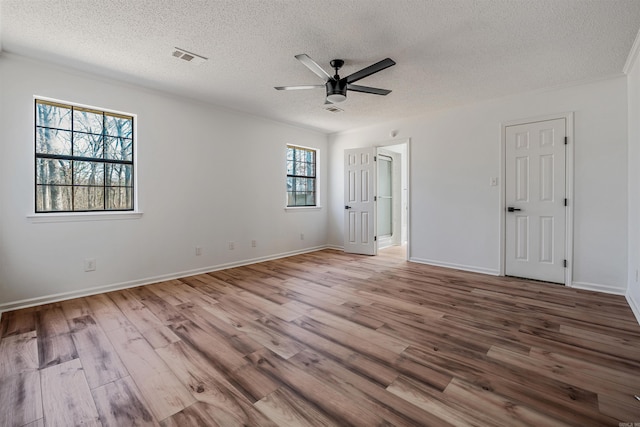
(334, 109)
(194, 58)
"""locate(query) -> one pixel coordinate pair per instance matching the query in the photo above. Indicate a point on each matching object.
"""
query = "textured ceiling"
(448, 52)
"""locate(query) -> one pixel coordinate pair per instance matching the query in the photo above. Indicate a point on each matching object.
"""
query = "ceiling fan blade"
(298, 87)
(371, 69)
(367, 89)
(311, 64)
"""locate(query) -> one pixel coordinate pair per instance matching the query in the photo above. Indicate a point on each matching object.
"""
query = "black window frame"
(298, 172)
(104, 161)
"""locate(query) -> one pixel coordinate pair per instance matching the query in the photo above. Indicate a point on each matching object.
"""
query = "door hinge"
(375, 198)
(564, 263)
(566, 140)
(375, 238)
(566, 202)
(375, 158)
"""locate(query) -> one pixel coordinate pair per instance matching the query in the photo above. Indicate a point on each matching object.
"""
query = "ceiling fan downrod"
(336, 87)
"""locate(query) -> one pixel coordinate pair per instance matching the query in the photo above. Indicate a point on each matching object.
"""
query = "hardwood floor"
(325, 339)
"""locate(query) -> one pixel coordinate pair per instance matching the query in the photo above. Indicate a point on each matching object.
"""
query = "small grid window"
(301, 176)
(83, 159)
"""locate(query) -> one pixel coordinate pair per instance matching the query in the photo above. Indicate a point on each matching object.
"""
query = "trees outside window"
(301, 176)
(83, 159)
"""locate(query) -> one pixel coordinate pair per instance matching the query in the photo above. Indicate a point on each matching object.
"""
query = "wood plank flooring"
(325, 339)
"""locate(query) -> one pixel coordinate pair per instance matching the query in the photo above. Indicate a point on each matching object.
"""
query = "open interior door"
(359, 201)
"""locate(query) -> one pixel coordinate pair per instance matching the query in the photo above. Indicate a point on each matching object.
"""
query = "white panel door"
(535, 189)
(359, 203)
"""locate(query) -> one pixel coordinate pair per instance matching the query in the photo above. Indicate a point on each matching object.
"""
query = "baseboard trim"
(607, 289)
(470, 268)
(336, 247)
(47, 299)
(635, 306)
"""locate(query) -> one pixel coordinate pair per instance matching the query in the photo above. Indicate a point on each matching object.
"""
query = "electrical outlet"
(253, 244)
(198, 251)
(90, 264)
(301, 236)
(232, 246)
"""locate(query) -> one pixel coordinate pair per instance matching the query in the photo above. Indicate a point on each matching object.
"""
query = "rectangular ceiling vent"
(194, 58)
(334, 109)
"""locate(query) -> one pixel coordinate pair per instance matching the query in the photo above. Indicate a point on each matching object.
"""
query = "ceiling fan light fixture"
(336, 97)
(336, 91)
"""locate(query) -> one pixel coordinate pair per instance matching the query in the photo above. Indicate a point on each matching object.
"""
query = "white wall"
(205, 177)
(633, 88)
(454, 213)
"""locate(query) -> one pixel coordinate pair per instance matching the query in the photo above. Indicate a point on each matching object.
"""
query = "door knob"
(347, 207)
(512, 209)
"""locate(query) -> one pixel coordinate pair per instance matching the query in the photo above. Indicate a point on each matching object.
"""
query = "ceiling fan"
(337, 86)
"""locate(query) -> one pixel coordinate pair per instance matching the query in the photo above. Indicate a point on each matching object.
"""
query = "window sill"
(84, 216)
(303, 208)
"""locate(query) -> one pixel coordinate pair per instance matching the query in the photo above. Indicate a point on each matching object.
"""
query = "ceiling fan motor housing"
(336, 90)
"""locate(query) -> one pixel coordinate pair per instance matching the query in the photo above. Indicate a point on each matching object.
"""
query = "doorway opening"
(392, 197)
(385, 200)
(376, 199)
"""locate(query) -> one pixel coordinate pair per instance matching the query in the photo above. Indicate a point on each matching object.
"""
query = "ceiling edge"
(562, 86)
(104, 77)
(633, 54)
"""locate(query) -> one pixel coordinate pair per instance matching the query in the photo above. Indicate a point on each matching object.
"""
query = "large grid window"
(83, 159)
(301, 176)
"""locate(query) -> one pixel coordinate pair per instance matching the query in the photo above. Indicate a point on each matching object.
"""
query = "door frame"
(568, 117)
(396, 161)
(407, 164)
